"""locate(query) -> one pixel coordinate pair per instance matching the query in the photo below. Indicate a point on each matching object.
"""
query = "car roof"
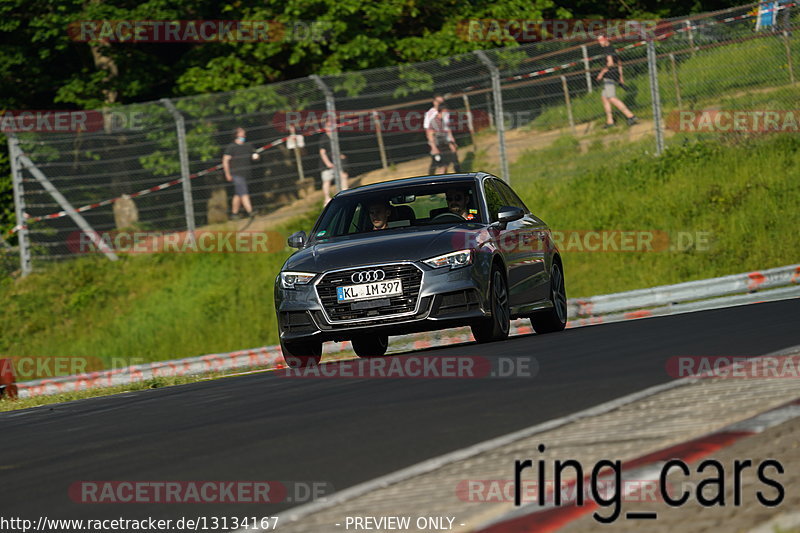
(418, 180)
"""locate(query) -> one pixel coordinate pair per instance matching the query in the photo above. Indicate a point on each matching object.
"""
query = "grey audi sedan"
(418, 254)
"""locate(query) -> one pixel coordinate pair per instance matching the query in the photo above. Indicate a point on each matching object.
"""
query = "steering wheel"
(447, 216)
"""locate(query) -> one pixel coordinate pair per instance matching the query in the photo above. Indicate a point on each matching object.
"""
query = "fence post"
(470, 123)
(652, 70)
(568, 103)
(19, 205)
(379, 133)
(690, 35)
(675, 80)
(489, 109)
(183, 155)
(498, 112)
(330, 105)
(585, 53)
(295, 145)
(788, 55)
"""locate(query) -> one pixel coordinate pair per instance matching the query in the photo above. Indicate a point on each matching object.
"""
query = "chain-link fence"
(156, 166)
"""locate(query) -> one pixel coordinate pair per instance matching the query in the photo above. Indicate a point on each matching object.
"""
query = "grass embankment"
(741, 194)
(144, 307)
(745, 192)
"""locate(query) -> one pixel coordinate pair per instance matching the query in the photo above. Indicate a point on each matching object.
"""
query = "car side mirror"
(509, 214)
(297, 239)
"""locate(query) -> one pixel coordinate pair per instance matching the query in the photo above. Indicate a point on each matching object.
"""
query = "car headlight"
(453, 260)
(290, 279)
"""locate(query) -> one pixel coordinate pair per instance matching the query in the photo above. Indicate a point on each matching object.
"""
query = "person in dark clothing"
(236, 164)
(611, 76)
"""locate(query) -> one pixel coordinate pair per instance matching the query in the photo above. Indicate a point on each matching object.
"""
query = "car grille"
(410, 275)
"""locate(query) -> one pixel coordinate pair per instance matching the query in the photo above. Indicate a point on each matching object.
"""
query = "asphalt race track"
(345, 431)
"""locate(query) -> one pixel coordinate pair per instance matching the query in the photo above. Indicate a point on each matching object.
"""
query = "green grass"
(743, 192)
(150, 308)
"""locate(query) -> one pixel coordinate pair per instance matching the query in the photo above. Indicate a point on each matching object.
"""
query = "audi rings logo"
(368, 276)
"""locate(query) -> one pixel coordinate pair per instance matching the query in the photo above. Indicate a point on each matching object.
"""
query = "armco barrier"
(685, 292)
(737, 289)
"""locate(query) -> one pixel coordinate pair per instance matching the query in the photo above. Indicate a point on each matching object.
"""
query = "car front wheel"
(299, 354)
(370, 345)
(495, 328)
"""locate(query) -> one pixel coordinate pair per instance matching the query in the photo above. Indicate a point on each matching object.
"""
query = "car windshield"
(446, 204)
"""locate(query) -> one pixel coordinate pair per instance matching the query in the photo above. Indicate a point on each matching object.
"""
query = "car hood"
(409, 244)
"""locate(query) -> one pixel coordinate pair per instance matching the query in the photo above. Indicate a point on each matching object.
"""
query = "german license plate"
(369, 291)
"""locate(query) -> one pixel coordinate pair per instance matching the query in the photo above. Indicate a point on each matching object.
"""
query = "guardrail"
(738, 289)
(691, 291)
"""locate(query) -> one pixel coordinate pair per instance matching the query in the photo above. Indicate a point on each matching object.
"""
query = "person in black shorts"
(326, 164)
(441, 142)
(236, 164)
(611, 76)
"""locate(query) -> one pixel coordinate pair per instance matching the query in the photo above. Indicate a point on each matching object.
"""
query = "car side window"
(494, 200)
(511, 197)
(357, 220)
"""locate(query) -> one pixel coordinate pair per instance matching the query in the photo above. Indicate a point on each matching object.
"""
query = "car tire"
(495, 327)
(301, 354)
(370, 345)
(553, 318)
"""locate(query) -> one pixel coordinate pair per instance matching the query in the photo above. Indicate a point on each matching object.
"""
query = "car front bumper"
(446, 298)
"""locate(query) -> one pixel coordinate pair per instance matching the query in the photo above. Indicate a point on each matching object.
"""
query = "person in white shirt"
(442, 143)
(430, 115)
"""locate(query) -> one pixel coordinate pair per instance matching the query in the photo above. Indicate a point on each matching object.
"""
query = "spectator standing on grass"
(431, 114)
(611, 76)
(441, 142)
(236, 163)
(326, 163)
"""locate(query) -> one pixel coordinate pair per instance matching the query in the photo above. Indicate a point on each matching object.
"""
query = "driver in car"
(379, 213)
(457, 202)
